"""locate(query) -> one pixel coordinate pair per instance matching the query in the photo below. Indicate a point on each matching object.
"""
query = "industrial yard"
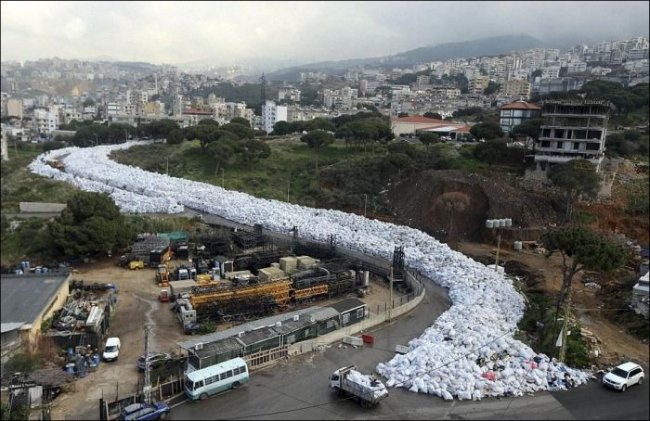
(138, 302)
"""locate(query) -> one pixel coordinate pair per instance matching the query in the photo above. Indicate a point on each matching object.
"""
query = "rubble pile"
(468, 353)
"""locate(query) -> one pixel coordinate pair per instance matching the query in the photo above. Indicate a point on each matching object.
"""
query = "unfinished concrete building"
(572, 129)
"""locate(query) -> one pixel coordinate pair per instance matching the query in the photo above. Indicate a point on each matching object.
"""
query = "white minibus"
(200, 384)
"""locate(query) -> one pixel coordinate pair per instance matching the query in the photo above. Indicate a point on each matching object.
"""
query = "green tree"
(428, 138)
(253, 150)
(429, 114)
(492, 87)
(576, 178)
(208, 122)
(536, 73)
(175, 137)
(91, 224)
(241, 120)
(581, 249)
(240, 130)
(318, 123)
(490, 152)
(88, 102)
(316, 140)
(486, 130)
(282, 128)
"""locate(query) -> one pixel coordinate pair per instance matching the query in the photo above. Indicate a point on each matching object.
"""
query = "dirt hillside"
(444, 201)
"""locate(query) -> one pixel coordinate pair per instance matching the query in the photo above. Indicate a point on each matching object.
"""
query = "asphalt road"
(298, 388)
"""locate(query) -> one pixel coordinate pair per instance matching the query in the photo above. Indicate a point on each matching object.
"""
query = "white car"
(112, 349)
(624, 376)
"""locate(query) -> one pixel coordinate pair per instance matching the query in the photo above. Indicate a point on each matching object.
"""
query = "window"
(239, 370)
(560, 144)
(592, 146)
(225, 375)
(545, 143)
(360, 313)
(576, 146)
(346, 318)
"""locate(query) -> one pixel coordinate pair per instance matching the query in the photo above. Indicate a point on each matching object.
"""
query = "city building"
(478, 84)
(572, 129)
(15, 107)
(515, 88)
(515, 113)
(45, 121)
(271, 114)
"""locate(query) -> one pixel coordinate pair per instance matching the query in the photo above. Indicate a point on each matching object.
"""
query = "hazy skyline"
(291, 32)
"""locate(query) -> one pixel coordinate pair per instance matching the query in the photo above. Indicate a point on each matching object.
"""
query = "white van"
(112, 349)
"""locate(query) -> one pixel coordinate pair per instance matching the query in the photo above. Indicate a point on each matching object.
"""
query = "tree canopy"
(91, 224)
(576, 177)
(428, 138)
(486, 130)
(317, 139)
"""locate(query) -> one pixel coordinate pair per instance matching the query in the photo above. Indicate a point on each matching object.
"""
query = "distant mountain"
(475, 48)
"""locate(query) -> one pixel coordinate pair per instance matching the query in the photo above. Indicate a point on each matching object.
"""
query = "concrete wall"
(55, 303)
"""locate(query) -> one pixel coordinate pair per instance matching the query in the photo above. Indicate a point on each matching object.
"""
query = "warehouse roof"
(234, 331)
(347, 305)
(24, 297)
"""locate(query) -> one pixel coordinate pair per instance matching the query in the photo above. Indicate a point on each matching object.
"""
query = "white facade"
(46, 121)
(271, 114)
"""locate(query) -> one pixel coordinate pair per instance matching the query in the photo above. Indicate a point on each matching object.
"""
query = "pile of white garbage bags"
(369, 383)
(468, 353)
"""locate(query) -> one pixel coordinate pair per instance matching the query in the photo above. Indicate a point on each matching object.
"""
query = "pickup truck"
(366, 389)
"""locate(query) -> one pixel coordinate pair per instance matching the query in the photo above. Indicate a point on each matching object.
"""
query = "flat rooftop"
(24, 297)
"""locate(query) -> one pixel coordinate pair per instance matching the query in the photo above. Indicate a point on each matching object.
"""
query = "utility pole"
(390, 304)
(223, 180)
(565, 325)
(146, 389)
(365, 204)
(288, 189)
(167, 165)
(496, 263)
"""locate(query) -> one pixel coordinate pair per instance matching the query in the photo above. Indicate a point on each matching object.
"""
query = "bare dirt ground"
(137, 304)
(614, 342)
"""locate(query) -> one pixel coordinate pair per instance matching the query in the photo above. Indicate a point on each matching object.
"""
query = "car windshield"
(620, 373)
(111, 348)
(189, 384)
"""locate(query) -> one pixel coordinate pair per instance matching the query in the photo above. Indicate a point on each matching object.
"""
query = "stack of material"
(289, 264)
(369, 382)
(306, 262)
(447, 360)
(271, 274)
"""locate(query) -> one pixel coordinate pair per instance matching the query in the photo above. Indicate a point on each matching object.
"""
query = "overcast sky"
(299, 32)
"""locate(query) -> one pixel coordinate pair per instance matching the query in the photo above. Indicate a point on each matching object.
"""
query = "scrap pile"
(447, 360)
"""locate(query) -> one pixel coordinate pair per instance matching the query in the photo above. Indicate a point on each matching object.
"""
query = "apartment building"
(478, 84)
(46, 121)
(271, 114)
(572, 129)
(517, 89)
(15, 107)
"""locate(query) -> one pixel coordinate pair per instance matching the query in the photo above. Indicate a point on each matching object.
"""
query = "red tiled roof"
(520, 105)
(195, 111)
(418, 119)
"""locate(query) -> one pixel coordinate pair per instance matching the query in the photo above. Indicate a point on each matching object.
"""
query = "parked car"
(112, 349)
(145, 411)
(156, 359)
(624, 376)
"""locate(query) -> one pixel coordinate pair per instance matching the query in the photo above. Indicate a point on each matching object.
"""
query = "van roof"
(112, 341)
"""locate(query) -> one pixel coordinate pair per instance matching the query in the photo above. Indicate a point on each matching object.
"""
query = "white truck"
(365, 388)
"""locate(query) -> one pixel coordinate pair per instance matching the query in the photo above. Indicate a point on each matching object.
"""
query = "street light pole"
(365, 204)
